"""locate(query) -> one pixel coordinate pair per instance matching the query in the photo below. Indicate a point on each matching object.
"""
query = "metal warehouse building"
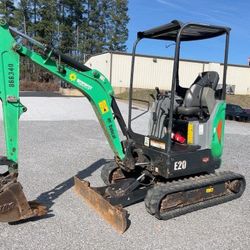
(157, 71)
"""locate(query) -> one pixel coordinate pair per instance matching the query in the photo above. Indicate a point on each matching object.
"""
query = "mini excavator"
(172, 168)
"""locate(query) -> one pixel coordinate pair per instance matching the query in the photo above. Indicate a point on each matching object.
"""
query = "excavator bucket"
(14, 205)
(114, 215)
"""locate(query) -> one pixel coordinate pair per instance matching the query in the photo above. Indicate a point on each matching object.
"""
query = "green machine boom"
(172, 168)
(92, 83)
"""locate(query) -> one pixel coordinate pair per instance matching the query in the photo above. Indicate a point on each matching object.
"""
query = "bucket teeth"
(14, 205)
(37, 208)
(114, 215)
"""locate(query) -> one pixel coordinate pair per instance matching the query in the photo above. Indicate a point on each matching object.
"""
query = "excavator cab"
(200, 96)
(174, 164)
(182, 119)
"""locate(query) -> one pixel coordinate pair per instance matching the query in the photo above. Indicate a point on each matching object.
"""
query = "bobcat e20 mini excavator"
(172, 168)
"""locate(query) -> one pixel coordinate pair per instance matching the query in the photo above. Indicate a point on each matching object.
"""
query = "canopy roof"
(191, 31)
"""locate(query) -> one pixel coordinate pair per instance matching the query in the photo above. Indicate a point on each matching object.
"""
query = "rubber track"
(159, 191)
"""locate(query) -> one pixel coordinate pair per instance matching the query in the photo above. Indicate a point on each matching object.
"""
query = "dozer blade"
(114, 215)
(14, 205)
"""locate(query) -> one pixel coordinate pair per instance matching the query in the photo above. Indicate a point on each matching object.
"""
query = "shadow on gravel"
(48, 198)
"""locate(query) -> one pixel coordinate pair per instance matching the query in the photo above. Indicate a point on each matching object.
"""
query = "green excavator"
(172, 168)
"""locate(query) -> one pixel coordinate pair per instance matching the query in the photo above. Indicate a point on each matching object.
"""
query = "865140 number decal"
(11, 75)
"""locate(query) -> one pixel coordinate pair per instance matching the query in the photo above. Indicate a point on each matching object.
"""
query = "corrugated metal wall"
(240, 77)
(151, 72)
(188, 72)
(102, 63)
(121, 70)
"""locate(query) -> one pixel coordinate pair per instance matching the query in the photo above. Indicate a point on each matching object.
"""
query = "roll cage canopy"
(189, 31)
(178, 32)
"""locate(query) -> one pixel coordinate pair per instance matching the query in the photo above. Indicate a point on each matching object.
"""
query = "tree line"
(79, 28)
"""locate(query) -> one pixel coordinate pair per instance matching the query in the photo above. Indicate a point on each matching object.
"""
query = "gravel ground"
(59, 138)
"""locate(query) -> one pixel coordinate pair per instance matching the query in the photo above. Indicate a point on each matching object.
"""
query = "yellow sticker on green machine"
(209, 190)
(72, 76)
(190, 135)
(103, 106)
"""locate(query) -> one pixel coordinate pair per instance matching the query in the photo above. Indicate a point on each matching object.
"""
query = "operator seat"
(201, 94)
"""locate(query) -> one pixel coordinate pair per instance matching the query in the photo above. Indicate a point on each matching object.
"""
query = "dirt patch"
(144, 94)
(38, 86)
(242, 100)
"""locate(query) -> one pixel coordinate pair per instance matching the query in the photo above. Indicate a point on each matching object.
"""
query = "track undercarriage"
(163, 199)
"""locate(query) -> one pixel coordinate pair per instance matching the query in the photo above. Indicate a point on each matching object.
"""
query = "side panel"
(210, 134)
(217, 143)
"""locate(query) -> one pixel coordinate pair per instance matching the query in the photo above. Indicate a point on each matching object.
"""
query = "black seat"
(192, 103)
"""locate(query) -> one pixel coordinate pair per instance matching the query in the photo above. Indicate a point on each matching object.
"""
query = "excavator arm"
(91, 83)
(95, 86)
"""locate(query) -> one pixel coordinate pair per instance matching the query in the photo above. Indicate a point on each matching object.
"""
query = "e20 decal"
(180, 165)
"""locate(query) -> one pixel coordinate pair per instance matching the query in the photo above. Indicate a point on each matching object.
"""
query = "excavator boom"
(13, 203)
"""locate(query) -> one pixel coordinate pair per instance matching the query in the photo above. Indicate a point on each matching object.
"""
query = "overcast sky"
(145, 14)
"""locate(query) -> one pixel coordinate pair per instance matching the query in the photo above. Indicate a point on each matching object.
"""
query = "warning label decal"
(103, 107)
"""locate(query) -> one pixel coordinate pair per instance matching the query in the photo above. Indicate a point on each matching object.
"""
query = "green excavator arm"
(95, 87)
(91, 83)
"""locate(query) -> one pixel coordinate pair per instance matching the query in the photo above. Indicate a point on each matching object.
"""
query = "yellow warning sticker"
(103, 107)
(209, 190)
(190, 135)
(72, 76)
